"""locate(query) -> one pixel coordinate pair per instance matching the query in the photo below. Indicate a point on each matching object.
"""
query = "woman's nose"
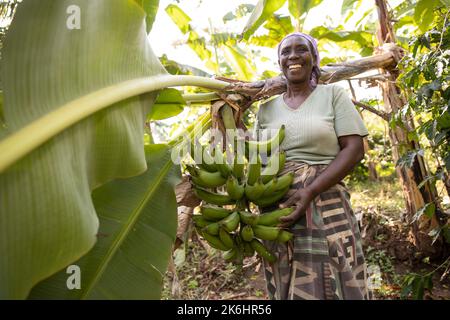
(293, 55)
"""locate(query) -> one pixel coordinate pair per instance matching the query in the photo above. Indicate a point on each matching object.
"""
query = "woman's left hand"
(301, 199)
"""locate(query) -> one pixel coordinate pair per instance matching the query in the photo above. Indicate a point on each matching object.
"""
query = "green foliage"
(151, 8)
(195, 42)
(415, 284)
(263, 10)
(169, 103)
(299, 8)
(425, 79)
(57, 216)
(71, 127)
(362, 38)
(381, 259)
(138, 222)
(423, 13)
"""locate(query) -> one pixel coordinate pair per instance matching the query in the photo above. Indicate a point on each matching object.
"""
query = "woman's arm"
(352, 152)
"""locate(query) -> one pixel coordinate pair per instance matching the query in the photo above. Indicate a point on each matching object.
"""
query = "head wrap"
(315, 75)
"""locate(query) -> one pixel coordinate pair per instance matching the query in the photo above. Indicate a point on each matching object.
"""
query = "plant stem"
(200, 97)
(20, 143)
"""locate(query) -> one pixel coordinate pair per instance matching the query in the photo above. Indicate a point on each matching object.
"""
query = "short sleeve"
(347, 120)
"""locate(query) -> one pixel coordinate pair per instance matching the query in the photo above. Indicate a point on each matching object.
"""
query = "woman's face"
(296, 59)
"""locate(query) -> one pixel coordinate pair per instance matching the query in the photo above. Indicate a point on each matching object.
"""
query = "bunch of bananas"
(228, 188)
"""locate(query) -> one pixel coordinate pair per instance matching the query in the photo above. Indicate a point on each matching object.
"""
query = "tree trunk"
(410, 178)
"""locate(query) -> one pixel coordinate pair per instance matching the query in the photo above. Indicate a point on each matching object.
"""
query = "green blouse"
(313, 129)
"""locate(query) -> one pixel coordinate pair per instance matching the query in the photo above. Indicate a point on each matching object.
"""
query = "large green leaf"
(48, 218)
(138, 221)
(195, 42)
(263, 10)
(169, 103)
(56, 150)
(239, 63)
(424, 13)
(362, 38)
(151, 8)
(299, 7)
(179, 17)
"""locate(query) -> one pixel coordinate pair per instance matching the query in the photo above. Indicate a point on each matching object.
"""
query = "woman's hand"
(301, 199)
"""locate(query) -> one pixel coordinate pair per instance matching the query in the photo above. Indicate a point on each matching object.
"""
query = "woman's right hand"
(301, 200)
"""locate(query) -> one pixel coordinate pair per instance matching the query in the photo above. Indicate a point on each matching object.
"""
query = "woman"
(323, 144)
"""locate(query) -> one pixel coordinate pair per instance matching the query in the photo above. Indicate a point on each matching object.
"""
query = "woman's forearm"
(349, 156)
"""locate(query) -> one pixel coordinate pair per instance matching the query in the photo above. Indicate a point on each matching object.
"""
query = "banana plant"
(77, 185)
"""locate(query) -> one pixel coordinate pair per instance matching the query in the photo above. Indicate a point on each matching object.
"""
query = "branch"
(379, 113)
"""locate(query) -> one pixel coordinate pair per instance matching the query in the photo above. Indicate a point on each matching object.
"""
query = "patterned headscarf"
(315, 75)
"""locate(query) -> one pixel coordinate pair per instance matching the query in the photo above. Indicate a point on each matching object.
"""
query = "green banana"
(234, 189)
(200, 221)
(221, 161)
(238, 166)
(269, 187)
(226, 238)
(284, 181)
(247, 233)
(274, 165)
(214, 241)
(227, 116)
(265, 202)
(263, 251)
(207, 162)
(266, 233)
(248, 250)
(284, 236)
(214, 198)
(196, 151)
(212, 228)
(208, 179)
(254, 169)
(254, 192)
(249, 218)
(266, 146)
(231, 222)
(214, 213)
(272, 218)
(240, 250)
(199, 230)
(230, 254)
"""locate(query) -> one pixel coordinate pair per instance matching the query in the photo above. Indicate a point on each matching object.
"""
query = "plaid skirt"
(324, 260)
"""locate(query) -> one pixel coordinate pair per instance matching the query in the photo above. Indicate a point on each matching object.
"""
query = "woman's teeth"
(295, 66)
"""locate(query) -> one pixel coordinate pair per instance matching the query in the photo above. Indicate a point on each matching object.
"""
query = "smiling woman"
(323, 143)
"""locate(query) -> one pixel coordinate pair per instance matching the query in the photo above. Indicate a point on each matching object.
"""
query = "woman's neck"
(299, 90)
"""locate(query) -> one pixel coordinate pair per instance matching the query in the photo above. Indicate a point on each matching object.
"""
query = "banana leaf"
(48, 218)
(138, 222)
(263, 10)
